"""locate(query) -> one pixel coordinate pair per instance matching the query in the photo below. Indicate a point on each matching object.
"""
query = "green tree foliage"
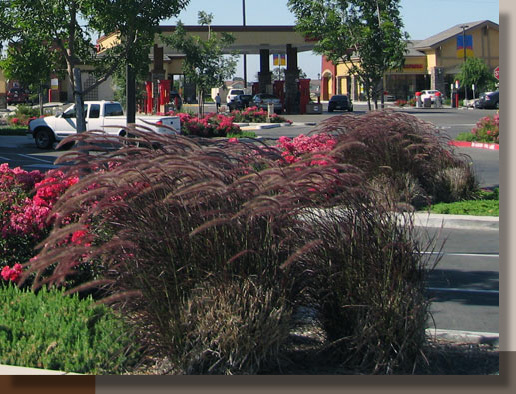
(205, 63)
(137, 23)
(52, 26)
(367, 34)
(475, 72)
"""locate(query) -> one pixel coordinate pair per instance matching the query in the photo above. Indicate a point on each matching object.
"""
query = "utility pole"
(464, 27)
(245, 55)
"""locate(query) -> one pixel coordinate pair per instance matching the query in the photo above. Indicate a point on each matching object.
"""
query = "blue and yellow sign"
(469, 46)
(279, 60)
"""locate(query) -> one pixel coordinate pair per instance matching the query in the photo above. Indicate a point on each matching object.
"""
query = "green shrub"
(52, 331)
(22, 115)
(477, 208)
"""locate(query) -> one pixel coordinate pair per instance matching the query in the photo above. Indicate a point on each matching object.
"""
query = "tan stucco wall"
(3, 83)
(485, 46)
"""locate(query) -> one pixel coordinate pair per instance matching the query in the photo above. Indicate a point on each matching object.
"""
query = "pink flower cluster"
(254, 114)
(32, 215)
(12, 274)
(320, 144)
(211, 125)
(487, 129)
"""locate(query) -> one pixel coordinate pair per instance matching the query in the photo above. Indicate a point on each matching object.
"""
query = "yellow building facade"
(432, 63)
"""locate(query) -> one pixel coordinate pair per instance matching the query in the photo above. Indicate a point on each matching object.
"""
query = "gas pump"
(278, 89)
(255, 88)
(304, 94)
(164, 94)
(149, 98)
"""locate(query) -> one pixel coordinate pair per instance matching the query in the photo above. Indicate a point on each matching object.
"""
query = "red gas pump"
(278, 88)
(149, 98)
(304, 94)
(255, 88)
(164, 94)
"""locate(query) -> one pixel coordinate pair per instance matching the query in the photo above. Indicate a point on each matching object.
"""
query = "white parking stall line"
(494, 255)
(4, 158)
(35, 158)
(454, 290)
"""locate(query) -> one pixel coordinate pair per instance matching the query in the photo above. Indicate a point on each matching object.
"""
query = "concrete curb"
(479, 145)
(459, 336)
(12, 370)
(465, 222)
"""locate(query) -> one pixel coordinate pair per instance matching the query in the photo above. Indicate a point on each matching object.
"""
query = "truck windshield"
(70, 113)
(113, 109)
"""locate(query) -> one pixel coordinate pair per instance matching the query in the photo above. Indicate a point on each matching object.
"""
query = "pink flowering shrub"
(211, 125)
(12, 274)
(256, 115)
(487, 129)
(319, 145)
(26, 202)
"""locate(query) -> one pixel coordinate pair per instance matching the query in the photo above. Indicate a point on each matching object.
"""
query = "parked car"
(488, 100)
(240, 102)
(262, 100)
(340, 101)
(388, 97)
(17, 96)
(429, 94)
(233, 93)
(176, 99)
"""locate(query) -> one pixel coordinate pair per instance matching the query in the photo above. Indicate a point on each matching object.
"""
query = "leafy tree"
(137, 23)
(30, 64)
(205, 64)
(366, 34)
(51, 26)
(475, 72)
(54, 25)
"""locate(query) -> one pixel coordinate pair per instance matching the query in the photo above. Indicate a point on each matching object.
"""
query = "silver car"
(262, 100)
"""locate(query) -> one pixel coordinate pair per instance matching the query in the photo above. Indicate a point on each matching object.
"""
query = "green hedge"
(52, 331)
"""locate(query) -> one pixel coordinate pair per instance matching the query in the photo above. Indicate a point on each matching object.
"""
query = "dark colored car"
(175, 98)
(262, 101)
(17, 96)
(340, 101)
(240, 102)
(488, 100)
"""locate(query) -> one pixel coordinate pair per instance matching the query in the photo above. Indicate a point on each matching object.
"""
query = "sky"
(422, 19)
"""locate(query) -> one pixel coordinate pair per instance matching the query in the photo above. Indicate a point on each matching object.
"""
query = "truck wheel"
(44, 139)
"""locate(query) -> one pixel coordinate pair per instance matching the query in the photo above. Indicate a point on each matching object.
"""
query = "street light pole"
(464, 27)
(245, 55)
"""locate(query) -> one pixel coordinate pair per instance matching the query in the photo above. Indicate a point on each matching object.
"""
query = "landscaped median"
(485, 134)
(196, 247)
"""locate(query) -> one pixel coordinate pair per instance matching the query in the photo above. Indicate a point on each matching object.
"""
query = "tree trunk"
(79, 102)
(200, 95)
(130, 95)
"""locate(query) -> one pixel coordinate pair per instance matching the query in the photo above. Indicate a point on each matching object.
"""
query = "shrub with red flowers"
(293, 149)
(487, 129)
(26, 201)
(211, 125)
(12, 274)
(23, 115)
(256, 115)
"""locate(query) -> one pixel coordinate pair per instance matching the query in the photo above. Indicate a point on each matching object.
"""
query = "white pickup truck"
(106, 116)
